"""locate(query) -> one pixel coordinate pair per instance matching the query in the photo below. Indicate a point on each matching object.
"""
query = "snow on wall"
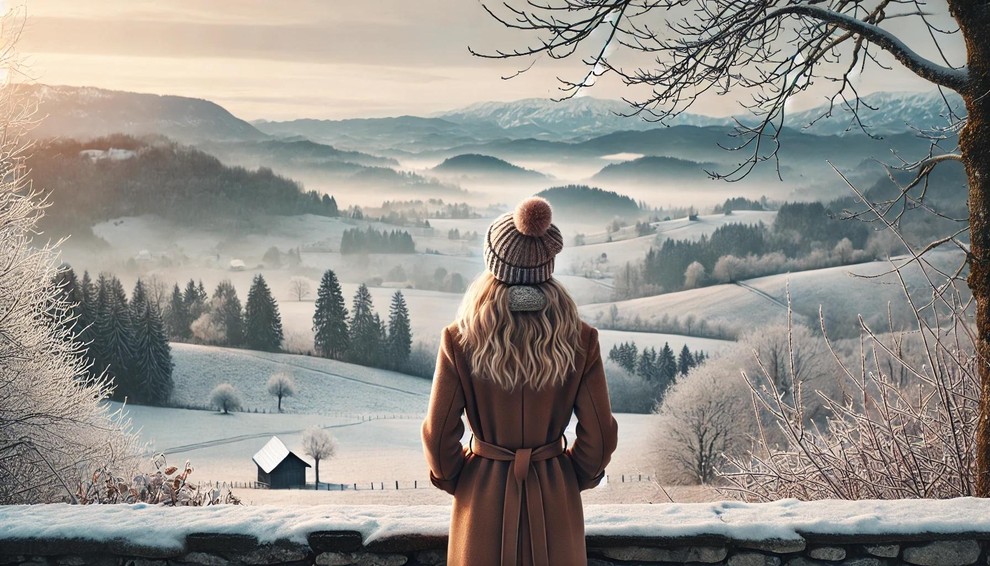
(781, 520)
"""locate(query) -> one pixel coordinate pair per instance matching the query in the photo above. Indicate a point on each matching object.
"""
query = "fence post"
(414, 485)
(623, 478)
(396, 485)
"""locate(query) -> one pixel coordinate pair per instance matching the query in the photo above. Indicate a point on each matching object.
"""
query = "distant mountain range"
(884, 113)
(580, 131)
(85, 112)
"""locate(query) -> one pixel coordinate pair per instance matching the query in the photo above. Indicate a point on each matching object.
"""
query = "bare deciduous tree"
(770, 50)
(318, 444)
(300, 288)
(281, 385)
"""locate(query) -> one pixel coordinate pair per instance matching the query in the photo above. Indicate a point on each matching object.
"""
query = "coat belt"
(522, 479)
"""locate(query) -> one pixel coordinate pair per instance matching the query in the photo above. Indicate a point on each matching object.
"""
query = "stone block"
(943, 553)
(205, 559)
(360, 559)
(776, 546)
(407, 543)
(432, 557)
(220, 543)
(828, 553)
(753, 559)
(883, 550)
(281, 551)
(335, 559)
(804, 561)
(702, 554)
(866, 561)
(369, 559)
(336, 541)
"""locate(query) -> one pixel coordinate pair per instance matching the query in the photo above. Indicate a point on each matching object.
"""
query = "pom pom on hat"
(533, 216)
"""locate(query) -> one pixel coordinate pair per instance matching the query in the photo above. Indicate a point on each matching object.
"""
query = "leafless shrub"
(905, 430)
(168, 486)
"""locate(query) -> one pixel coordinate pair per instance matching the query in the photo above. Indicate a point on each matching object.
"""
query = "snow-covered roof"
(272, 454)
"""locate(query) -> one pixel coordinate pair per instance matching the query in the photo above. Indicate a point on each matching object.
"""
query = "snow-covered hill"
(750, 304)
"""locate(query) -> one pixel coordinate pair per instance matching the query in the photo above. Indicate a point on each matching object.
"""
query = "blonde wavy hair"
(536, 348)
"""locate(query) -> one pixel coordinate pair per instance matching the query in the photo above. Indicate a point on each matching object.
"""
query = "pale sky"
(289, 59)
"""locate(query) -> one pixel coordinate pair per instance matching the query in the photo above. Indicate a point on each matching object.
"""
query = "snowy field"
(371, 447)
(843, 292)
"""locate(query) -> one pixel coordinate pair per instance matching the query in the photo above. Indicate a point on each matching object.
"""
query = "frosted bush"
(905, 429)
(55, 424)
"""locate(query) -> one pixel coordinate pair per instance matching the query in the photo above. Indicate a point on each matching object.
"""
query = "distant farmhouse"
(280, 468)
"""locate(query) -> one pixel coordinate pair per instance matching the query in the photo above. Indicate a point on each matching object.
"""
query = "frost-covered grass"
(372, 444)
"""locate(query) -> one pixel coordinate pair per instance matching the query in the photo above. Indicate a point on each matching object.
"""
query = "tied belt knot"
(522, 479)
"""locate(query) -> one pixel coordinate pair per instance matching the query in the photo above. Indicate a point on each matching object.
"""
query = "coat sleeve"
(597, 431)
(443, 427)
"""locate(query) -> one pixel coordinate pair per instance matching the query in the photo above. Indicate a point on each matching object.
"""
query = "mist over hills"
(401, 154)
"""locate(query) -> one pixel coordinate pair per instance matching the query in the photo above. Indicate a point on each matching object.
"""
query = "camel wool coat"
(514, 473)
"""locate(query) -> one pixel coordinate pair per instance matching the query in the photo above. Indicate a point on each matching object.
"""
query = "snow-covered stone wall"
(865, 533)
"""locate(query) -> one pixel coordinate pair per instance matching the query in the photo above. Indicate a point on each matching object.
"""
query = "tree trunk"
(317, 485)
(280, 403)
(973, 17)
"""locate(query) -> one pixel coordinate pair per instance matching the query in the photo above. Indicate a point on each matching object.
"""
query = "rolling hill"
(485, 166)
(750, 304)
(86, 113)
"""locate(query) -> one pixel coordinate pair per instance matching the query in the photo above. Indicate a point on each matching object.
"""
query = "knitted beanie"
(520, 246)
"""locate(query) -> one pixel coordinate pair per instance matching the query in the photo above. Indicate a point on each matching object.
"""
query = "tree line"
(357, 241)
(800, 230)
(658, 367)
(125, 339)
(360, 335)
(177, 182)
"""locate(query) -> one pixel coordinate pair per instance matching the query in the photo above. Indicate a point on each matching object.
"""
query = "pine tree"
(85, 328)
(177, 317)
(227, 315)
(139, 298)
(365, 331)
(647, 367)
(399, 332)
(195, 302)
(330, 319)
(152, 357)
(115, 329)
(685, 361)
(262, 321)
(667, 364)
